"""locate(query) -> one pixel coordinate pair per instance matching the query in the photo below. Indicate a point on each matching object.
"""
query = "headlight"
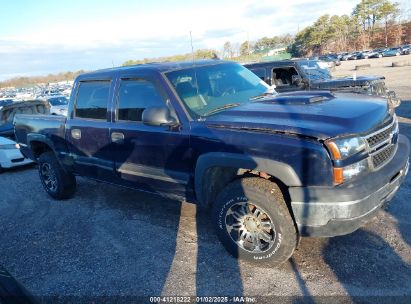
(355, 169)
(343, 148)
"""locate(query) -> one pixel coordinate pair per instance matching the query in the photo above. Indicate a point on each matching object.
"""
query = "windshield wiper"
(263, 95)
(218, 109)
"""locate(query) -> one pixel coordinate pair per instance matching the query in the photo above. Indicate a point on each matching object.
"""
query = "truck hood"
(342, 82)
(319, 116)
(6, 141)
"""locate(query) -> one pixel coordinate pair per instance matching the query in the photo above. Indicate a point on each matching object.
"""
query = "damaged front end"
(378, 88)
(375, 87)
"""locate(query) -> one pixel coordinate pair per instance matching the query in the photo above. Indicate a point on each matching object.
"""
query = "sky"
(49, 36)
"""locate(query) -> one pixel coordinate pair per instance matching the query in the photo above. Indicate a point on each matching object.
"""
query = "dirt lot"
(397, 78)
(109, 241)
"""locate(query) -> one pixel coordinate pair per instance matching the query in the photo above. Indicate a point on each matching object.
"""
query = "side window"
(92, 99)
(134, 96)
(260, 72)
(283, 76)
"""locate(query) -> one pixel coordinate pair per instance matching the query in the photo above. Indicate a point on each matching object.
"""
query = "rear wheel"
(253, 221)
(57, 182)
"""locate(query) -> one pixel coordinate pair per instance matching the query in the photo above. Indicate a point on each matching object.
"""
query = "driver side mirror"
(296, 80)
(158, 116)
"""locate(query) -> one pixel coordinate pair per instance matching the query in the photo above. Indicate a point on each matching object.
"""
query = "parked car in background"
(5, 102)
(7, 113)
(377, 53)
(332, 59)
(406, 49)
(341, 55)
(370, 54)
(58, 104)
(364, 54)
(395, 51)
(302, 74)
(10, 155)
(351, 56)
(49, 92)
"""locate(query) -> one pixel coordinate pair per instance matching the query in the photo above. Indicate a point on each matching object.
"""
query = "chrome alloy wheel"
(49, 177)
(250, 227)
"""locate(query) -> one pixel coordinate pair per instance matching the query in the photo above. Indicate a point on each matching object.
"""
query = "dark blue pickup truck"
(273, 167)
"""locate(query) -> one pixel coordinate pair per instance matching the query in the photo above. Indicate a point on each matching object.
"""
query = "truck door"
(153, 158)
(87, 130)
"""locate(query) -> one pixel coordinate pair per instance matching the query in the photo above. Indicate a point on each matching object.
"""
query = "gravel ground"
(109, 241)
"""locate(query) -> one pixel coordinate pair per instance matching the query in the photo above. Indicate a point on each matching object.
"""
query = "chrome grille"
(380, 158)
(381, 136)
(381, 145)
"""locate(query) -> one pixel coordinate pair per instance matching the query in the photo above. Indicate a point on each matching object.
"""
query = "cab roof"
(155, 66)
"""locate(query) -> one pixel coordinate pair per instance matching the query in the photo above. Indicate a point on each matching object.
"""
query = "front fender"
(281, 171)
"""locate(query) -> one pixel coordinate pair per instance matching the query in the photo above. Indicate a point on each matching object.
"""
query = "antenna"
(194, 66)
(192, 47)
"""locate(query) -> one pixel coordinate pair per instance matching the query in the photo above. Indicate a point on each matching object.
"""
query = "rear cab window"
(92, 99)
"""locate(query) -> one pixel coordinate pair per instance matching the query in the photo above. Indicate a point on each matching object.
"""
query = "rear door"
(153, 158)
(87, 131)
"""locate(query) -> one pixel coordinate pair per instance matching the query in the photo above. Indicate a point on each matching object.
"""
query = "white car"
(58, 104)
(10, 155)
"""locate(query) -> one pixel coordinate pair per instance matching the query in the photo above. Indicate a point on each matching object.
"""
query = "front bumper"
(332, 211)
(12, 158)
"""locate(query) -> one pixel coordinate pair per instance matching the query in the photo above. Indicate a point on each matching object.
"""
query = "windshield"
(208, 89)
(315, 70)
(58, 101)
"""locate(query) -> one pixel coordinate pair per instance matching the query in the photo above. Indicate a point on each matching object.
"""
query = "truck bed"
(29, 128)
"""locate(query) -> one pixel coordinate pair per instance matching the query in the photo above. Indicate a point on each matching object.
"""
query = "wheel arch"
(216, 169)
(39, 144)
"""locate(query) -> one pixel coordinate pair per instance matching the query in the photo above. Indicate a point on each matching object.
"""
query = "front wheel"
(57, 182)
(253, 221)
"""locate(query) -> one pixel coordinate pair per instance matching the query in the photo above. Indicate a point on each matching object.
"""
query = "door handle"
(117, 137)
(76, 133)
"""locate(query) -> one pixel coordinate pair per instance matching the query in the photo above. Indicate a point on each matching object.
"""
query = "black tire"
(273, 229)
(57, 182)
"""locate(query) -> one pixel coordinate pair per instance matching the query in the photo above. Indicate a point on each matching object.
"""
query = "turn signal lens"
(338, 175)
(335, 152)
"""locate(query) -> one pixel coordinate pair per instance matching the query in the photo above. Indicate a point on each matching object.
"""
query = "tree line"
(372, 24)
(20, 82)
